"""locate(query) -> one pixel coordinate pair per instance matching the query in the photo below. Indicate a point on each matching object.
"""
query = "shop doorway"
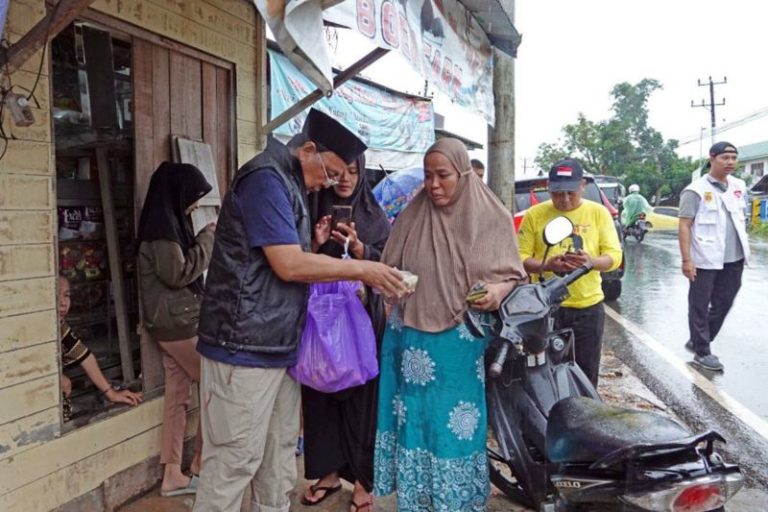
(121, 97)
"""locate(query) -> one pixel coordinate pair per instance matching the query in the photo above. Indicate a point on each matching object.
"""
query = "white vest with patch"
(709, 225)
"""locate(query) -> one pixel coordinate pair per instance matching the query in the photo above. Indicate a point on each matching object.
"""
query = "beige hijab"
(452, 247)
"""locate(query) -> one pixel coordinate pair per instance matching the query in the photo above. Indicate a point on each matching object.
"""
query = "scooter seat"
(583, 430)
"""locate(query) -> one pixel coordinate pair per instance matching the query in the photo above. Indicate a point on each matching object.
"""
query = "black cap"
(565, 176)
(331, 135)
(718, 148)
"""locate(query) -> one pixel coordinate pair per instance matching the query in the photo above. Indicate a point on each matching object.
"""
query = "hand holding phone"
(576, 259)
(477, 292)
(340, 213)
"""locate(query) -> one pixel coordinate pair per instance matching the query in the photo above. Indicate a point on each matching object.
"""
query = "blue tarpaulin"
(3, 15)
(384, 120)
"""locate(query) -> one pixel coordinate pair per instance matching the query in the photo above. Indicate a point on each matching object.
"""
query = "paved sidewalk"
(618, 385)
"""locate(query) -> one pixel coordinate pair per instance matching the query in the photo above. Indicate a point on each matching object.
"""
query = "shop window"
(94, 154)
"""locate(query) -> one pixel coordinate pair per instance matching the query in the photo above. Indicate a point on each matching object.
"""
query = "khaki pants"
(182, 367)
(250, 422)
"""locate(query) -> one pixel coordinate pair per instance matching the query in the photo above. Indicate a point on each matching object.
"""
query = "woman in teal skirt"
(431, 430)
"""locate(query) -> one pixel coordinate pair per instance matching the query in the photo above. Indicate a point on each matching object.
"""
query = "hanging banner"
(3, 15)
(297, 26)
(382, 119)
(439, 38)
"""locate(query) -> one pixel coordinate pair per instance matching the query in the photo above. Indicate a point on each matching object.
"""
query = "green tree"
(624, 145)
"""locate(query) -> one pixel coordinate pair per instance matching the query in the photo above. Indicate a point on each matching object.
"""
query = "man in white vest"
(714, 248)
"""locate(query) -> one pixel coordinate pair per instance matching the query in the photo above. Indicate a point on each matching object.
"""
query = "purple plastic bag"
(338, 347)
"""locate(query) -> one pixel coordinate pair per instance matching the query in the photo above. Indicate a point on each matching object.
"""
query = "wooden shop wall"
(180, 68)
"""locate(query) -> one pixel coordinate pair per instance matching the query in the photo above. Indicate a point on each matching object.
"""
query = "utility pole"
(711, 105)
(501, 136)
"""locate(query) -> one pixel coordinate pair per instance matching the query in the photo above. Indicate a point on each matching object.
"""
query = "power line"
(711, 105)
(690, 139)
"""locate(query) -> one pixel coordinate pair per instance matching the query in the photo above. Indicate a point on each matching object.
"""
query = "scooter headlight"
(557, 343)
(699, 495)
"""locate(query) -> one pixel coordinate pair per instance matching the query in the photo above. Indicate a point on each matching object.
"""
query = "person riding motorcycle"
(634, 204)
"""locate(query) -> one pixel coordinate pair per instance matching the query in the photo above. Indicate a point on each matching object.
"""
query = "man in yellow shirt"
(583, 311)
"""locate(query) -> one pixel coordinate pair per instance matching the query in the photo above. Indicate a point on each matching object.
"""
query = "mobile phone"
(340, 213)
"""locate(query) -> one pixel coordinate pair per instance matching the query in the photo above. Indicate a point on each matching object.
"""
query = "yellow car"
(663, 218)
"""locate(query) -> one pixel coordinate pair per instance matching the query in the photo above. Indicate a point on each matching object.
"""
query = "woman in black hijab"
(171, 265)
(339, 428)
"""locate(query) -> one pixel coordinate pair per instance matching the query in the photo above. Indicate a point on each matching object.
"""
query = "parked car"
(533, 191)
(663, 218)
(612, 188)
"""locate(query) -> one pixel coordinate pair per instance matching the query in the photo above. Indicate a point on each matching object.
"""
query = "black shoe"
(689, 346)
(709, 362)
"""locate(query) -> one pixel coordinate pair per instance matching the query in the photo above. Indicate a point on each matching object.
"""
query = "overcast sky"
(574, 52)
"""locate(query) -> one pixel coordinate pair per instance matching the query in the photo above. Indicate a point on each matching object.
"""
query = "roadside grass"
(760, 230)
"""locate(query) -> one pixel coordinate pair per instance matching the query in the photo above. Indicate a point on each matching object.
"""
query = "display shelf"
(100, 240)
(101, 280)
(87, 318)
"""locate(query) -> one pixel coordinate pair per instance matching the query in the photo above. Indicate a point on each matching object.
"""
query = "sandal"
(359, 507)
(191, 488)
(314, 488)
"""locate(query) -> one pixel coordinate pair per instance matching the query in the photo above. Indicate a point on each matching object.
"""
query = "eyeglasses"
(329, 182)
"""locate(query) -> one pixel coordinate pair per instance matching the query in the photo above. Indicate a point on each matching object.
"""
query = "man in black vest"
(253, 315)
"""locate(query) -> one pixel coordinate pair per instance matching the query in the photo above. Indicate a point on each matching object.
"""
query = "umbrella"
(395, 191)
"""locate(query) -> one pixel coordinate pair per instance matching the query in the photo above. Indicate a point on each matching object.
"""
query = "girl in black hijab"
(171, 265)
(339, 428)
(173, 190)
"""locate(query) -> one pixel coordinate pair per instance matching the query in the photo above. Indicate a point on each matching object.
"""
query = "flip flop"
(359, 507)
(189, 489)
(314, 488)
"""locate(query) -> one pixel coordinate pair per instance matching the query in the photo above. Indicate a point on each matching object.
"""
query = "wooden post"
(262, 91)
(115, 265)
(501, 136)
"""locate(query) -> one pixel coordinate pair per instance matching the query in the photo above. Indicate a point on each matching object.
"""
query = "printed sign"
(441, 39)
(438, 38)
(383, 120)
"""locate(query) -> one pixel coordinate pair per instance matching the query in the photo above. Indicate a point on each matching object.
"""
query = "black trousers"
(587, 324)
(340, 432)
(710, 298)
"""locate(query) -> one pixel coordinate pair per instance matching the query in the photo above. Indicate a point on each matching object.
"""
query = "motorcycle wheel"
(509, 486)
(639, 236)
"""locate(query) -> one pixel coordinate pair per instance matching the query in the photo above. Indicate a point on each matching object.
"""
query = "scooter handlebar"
(568, 279)
(495, 369)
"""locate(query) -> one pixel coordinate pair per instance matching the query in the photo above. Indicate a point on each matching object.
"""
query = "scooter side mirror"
(557, 230)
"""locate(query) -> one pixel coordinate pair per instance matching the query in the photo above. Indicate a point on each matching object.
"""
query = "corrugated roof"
(494, 18)
(442, 133)
(753, 151)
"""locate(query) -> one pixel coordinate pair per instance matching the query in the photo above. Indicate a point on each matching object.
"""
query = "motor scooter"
(560, 448)
(638, 227)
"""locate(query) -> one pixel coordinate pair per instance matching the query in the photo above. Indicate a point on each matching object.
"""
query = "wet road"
(651, 328)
